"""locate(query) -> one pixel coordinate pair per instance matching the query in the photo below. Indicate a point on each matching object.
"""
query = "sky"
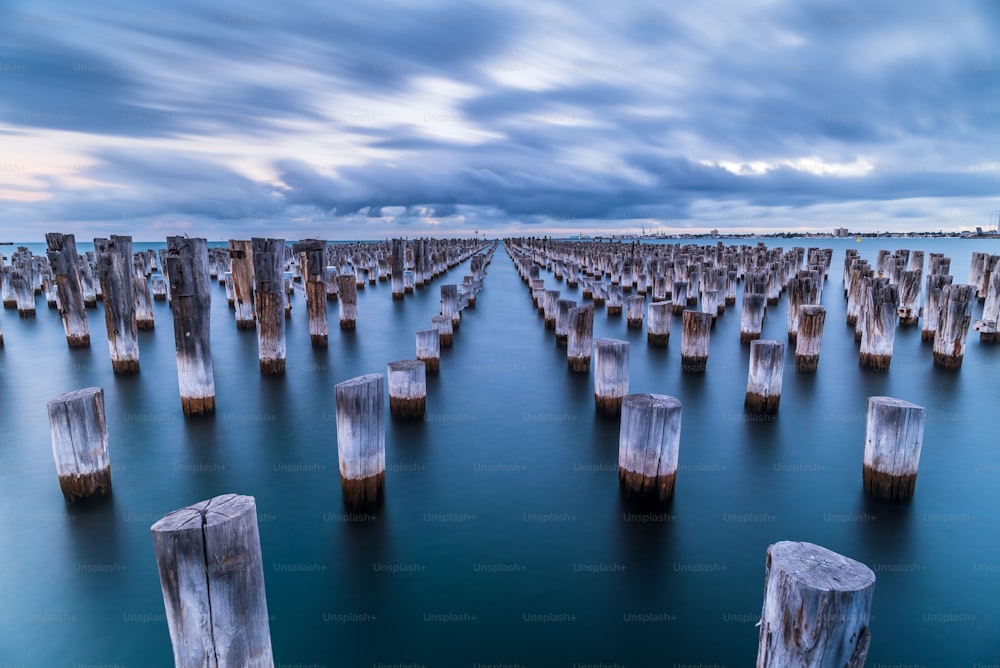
(345, 120)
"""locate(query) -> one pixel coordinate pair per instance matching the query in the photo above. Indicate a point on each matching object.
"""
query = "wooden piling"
(65, 266)
(241, 261)
(144, 318)
(648, 445)
(988, 326)
(158, 286)
(269, 286)
(611, 372)
(79, 431)
(361, 440)
(563, 307)
(347, 296)
(877, 322)
(114, 267)
(550, 308)
(635, 307)
(909, 296)
(679, 296)
(579, 340)
(191, 306)
(936, 284)
(449, 304)
(752, 316)
(407, 389)
(429, 349)
(954, 318)
(816, 608)
(616, 298)
(314, 251)
(696, 328)
(810, 337)
(658, 323)
(22, 282)
(212, 576)
(397, 268)
(894, 433)
(767, 362)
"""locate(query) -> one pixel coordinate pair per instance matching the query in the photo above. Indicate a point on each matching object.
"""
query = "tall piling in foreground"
(361, 439)
(877, 322)
(909, 296)
(894, 433)
(212, 576)
(550, 308)
(449, 304)
(580, 338)
(752, 316)
(429, 349)
(407, 389)
(446, 331)
(810, 337)
(269, 280)
(347, 296)
(241, 261)
(611, 371)
(954, 318)
(114, 266)
(658, 323)
(563, 307)
(936, 284)
(816, 609)
(65, 265)
(79, 431)
(314, 251)
(144, 318)
(648, 445)
(767, 363)
(191, 305)
(696, 328)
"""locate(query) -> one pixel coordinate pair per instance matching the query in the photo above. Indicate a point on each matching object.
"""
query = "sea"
(503, 540)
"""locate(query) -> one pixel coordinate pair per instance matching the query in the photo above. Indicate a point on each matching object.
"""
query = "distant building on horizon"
(840, 232)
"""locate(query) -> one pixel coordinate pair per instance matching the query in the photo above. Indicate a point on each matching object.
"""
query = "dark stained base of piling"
(364, 493)
(927, 336)
(397, 296)
(758, 404)
(852, 320)
(163, 298)
(793, 337)
(608, 405)
(634, 323)
(657, 339)
(747, 337)
(272, 367)
(246, 324)
(638, 486)
(587, 294)
(26, 314)
(145, 324)
(409, 291)
(79, 487)
(125, 367)
(730, 301)
(874, 362)
(550, 323)
(949, 362)
(78, 341)
(431, 363)
(92, 303)
(572, 284)
(806, 362)
(614, 310)
(988, 337)
(407, 409)
(857, 335)
(445, 340)
(348, 324)
(9, 303)
(318, 340)
(773, 301)
(598, 301)
(578, 364)
(887, 487)
(693, 364)
(908, 322)
(198, 405)
(562, 340)
(678, 309)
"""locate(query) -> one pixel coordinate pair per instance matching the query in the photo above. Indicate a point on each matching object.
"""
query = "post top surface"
(819, 568)
(217, 510)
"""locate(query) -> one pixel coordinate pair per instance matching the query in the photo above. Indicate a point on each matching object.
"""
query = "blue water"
(503, 539)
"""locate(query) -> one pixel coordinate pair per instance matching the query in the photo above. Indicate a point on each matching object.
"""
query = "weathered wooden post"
(954, 318)
(269, 280)
(347, 295)
(648, 445)
(22, 282)
(429, 349)
(79, 431)
(679, 296)
(935, 288)
(810, 337)
(987, 327)
(212, 576)
(550, 308)
(580, 339)
(361, 439)
(64, 260)
(877, 322)
(909, 297)
(114, 266)
(332, 288)
(144, 318)
(191, 305)
(398, 290)
(314, 251)
(611, 371)
(563, 307)
(767, 363)
(616, 297)
(446, 331)
(894, 433)
(752, 316)
(158, 286)
(407, 389)
(816, 608)
(635, 307)
(449, 304)
(241, 261)
(696, 328)
(658, 323)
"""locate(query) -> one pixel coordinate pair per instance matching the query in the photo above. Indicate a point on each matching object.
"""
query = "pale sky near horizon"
(367, 120)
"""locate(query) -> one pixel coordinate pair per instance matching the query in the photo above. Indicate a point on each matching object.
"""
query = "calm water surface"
(503, 539)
